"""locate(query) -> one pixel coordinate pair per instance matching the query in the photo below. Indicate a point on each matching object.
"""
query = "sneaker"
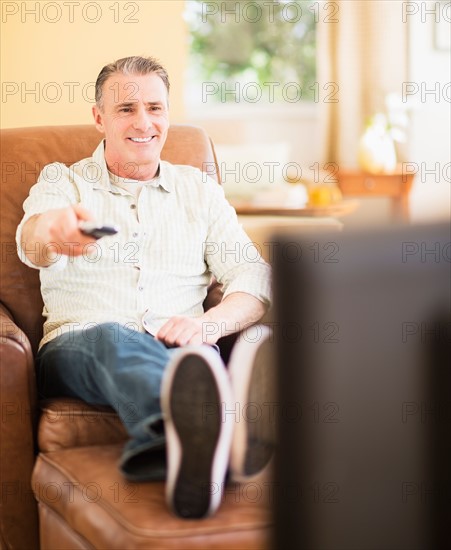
(252, 373)
(194, 396)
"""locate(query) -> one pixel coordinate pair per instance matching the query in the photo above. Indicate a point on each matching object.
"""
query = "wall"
(58, 48)
(430, 143)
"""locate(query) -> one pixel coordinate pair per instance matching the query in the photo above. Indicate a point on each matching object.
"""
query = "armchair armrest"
(17, 437)
(214, 294)
(214, 297)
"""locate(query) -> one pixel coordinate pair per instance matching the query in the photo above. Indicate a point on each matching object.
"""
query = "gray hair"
(134, 65)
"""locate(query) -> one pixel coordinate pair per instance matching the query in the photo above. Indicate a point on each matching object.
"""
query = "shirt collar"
(102, 181)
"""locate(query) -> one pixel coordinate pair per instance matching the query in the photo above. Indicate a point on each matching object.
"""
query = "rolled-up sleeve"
(230, 254)
(52, 190)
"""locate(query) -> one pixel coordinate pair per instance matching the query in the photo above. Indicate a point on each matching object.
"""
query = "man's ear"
(96, 113)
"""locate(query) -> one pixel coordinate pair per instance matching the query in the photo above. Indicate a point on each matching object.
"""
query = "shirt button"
(134, 235)
(133, 206)
(140, 288)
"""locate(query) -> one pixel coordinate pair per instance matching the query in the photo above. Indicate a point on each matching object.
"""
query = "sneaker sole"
(194, 392)
(253, 387)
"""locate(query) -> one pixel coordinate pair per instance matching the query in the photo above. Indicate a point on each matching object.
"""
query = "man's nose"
(142, 120)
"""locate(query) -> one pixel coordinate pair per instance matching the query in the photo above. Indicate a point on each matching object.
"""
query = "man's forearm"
(236, 312)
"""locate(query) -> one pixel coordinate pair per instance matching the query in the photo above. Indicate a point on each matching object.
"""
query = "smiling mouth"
(141, 140)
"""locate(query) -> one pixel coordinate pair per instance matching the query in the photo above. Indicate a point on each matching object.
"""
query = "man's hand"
(184, 331)
(236, 312)
(56, 231)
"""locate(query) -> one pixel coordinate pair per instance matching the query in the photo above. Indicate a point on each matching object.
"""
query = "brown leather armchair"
(60, 485)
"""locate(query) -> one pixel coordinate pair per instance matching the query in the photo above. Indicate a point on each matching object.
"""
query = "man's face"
(135, 121)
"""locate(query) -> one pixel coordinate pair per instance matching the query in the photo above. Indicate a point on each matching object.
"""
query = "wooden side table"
(396, 186)
(336, 210)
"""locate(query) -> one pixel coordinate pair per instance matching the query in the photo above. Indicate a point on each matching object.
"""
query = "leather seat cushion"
(67, 423)
(84, 487)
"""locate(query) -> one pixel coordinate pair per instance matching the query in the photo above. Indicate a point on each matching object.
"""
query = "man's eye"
(155, 108)
(125, 110)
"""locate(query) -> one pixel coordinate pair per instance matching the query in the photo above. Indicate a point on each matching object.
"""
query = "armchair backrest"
(23, 154)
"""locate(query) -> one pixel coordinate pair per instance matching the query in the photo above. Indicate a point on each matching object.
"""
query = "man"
(125, 324)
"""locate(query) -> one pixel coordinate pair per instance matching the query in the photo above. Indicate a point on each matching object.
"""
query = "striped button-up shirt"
(176, 233)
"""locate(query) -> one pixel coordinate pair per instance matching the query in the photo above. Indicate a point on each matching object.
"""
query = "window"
(249, 52)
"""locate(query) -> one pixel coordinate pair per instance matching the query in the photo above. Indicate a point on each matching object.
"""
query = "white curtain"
(365, 54)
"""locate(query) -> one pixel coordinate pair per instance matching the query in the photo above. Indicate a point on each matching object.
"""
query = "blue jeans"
(109, 364)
